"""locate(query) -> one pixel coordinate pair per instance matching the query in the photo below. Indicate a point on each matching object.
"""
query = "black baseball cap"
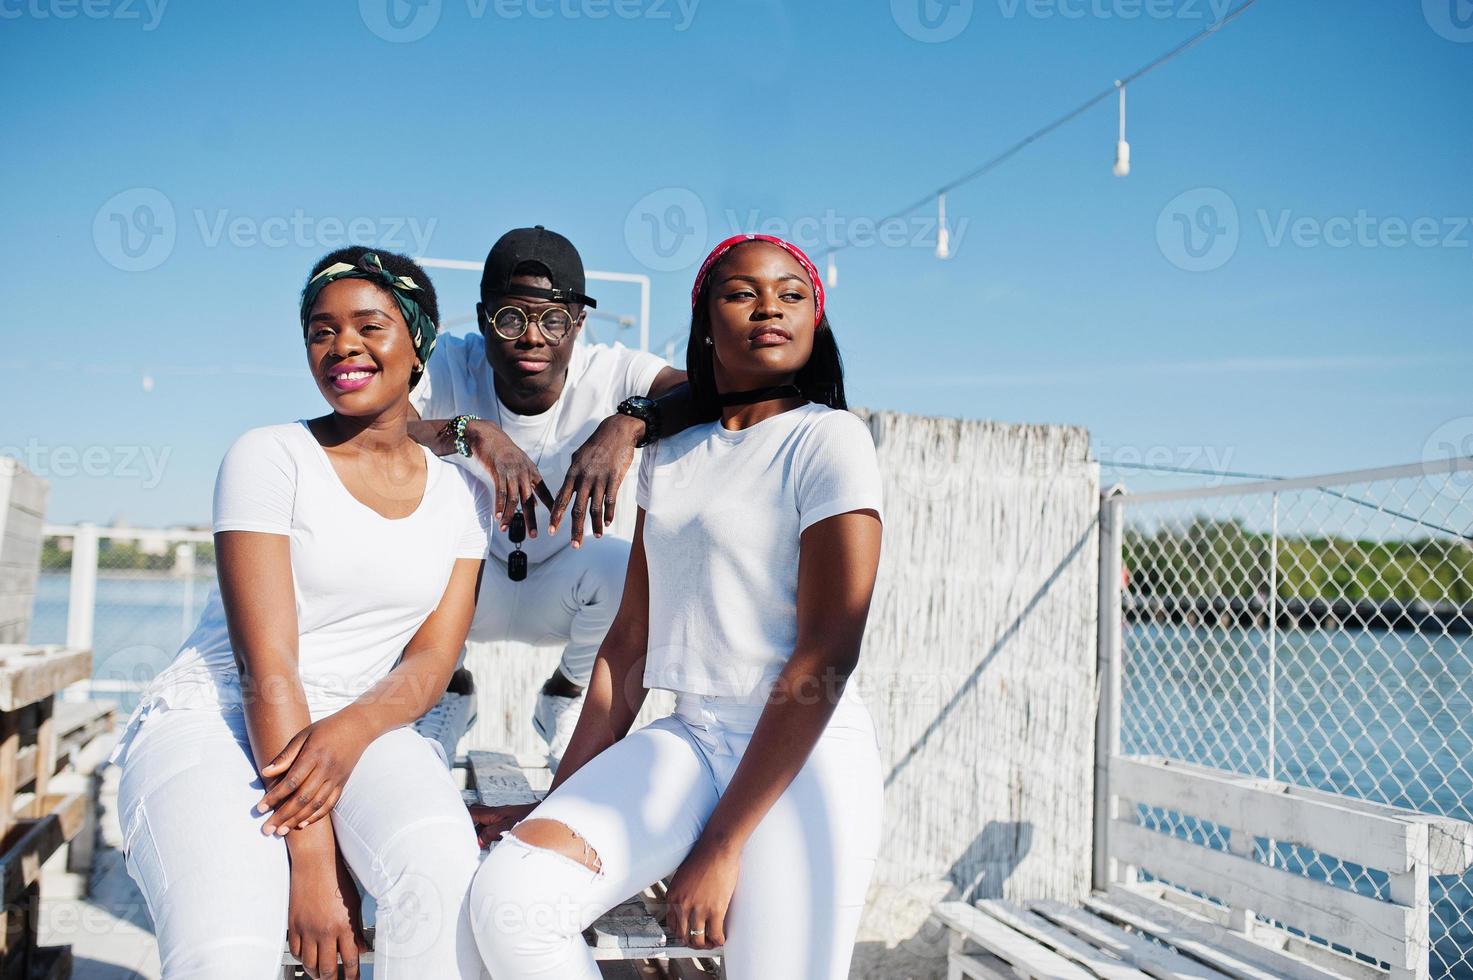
(564, 266)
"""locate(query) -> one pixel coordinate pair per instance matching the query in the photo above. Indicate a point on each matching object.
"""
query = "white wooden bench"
(626, 934)
(1134, 928)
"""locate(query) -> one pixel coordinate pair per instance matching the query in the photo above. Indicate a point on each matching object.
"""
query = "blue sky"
(1319, 317)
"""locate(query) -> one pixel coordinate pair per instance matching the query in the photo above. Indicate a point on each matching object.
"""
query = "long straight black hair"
(821, 378)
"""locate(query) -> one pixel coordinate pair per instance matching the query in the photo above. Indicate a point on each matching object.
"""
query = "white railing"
(143, 629)
(1315, 632)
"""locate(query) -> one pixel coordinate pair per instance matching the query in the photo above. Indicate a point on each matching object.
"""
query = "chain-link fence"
(130, 594)
(1316, 632)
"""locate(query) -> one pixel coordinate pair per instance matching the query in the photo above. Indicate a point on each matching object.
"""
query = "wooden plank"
(1265, 934)
(1177, 925)
(1364, 924)
(1373, 839)
(1181, 939)
(34, 841)
(45, 762)
(499, 780)
(693, 968)
(9, 774)
(1158, 961)
(78, 724)
(74, 718)
(1062, 941)
(627, 924)
(30, 673)
(1027, 957)
(20, 488)
(978, 966)
(1449, 842)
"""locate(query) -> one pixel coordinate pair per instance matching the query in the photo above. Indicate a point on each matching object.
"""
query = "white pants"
(641, 805)
(217, 888)
(570, 597)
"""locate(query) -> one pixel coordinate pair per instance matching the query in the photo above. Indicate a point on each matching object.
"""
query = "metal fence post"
(82, 597)
(1273, 637)
(1107, 674)
(184, 563)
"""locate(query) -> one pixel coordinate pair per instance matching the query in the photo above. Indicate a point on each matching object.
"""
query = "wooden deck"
(112, 939)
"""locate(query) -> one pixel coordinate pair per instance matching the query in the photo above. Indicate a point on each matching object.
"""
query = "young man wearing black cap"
(528, 408)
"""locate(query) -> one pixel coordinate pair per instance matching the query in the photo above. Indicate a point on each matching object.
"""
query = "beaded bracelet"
(455, 429)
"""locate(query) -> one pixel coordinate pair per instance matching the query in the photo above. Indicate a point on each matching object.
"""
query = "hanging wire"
(991, 164)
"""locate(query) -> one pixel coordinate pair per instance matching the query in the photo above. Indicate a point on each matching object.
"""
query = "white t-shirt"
(364, 583)
(723, 515)
(460, 382)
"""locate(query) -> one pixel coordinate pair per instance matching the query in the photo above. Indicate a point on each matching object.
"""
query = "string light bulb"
(943, 234)
(832, 274)
(1122, 148)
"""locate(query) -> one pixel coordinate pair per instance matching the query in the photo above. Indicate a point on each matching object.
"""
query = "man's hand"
(493, 821)
(594, 476)
(513, 474)
(324, 919)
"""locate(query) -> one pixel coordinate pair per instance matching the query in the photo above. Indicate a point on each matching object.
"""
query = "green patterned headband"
(421, 328)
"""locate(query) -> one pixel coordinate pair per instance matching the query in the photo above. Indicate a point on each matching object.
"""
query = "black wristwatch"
(647, 410)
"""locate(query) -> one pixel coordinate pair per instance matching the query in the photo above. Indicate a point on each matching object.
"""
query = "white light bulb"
(1122, 159)
(943, 234)
(1122, 148)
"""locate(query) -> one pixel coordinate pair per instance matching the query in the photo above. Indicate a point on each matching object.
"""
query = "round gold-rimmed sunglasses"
(510, 322)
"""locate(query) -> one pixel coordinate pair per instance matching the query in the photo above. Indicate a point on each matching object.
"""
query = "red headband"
(789, 247)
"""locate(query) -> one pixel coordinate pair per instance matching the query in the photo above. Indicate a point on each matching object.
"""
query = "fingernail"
(270, 828)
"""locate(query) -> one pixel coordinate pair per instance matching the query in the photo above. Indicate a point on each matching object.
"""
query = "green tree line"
(1223, 558)
(121, 556)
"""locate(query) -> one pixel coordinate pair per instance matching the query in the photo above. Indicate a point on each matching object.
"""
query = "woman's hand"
(700, 894)
(311, 771)
(325, 920)
(493, 821)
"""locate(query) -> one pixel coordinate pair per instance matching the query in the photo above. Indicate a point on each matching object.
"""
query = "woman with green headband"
(348, 559)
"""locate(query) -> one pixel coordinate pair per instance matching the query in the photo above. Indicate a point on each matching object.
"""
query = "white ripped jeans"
(641, 805)
(217, 888)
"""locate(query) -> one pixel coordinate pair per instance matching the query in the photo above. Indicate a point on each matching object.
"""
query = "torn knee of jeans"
(559, 838)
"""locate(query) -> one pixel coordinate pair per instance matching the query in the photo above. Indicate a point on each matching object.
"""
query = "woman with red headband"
(753, 564)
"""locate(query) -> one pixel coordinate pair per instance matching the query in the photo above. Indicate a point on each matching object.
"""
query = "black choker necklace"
(759, 394)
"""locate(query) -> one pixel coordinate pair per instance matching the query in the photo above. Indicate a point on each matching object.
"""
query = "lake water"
(1380, 716)
(1375, 715)
(139, 622)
